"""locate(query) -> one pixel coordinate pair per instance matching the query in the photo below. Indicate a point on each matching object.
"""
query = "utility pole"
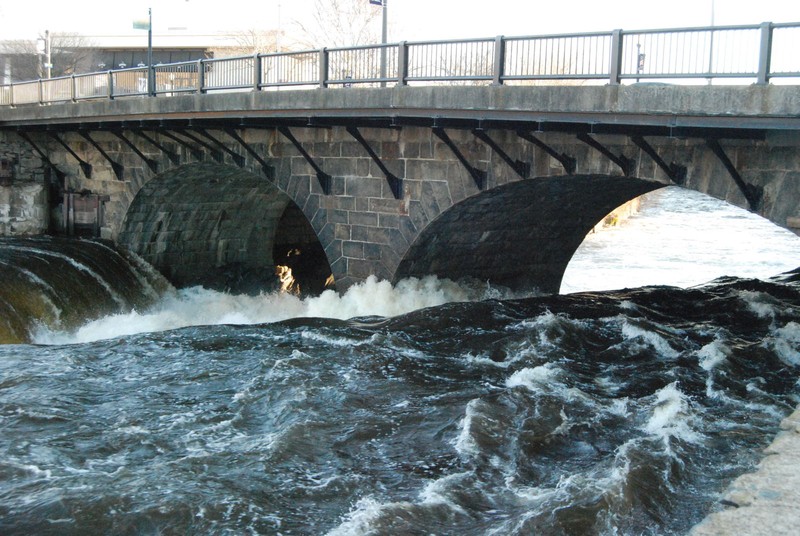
(384, 36)
(148, 25)
(711, 47)
(150, 72)
(43, 49)
(48, 54)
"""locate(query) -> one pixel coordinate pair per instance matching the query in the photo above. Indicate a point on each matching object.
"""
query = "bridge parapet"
(759, 53)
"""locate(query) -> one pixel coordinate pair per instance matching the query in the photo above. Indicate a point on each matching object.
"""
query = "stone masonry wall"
(24, 191)
(363, 229)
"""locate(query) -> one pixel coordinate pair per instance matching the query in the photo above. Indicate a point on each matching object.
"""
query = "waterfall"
(62, 283)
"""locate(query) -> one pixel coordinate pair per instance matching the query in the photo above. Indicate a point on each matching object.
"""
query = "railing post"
(256, 72)
(614, 76)
(323, 68)
(73, 94)
(499, 60)
(110, 85)
(201, 76)
(402, 63)
(151, 81)
(765, 53)
(40, 89)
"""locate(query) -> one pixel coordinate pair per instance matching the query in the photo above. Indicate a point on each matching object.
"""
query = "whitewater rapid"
(196, 306)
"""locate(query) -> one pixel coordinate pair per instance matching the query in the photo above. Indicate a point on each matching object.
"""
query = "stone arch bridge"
(498, 183)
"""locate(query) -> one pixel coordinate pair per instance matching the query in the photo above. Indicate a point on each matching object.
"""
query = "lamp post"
(148, 25)
(43, 48)
(384, 36)
(711, 47)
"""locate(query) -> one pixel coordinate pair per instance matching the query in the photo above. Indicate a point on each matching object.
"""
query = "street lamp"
(43, 48)
(382, 3)
(148, 25)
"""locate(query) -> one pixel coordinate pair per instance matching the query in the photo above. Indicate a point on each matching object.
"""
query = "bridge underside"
(223, 228)
(227, 229)
(521, 235)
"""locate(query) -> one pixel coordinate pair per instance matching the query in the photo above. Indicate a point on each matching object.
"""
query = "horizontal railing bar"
(449, 42)
(704, 76)
(355, 47)
(693, 29)
(448, 78)
(517, 77)
(669, 53)
(553, 36)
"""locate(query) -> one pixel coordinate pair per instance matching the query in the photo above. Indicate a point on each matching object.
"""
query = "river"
(429, 407)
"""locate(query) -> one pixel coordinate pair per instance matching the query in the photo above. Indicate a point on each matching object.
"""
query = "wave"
(198, 306)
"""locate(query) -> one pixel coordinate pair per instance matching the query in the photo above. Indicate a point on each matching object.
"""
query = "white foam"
(712, 354)
(198, 306)
(619, 406)
(534, 378)
(360, 519)
(549, 328)
(672, 415)
(659, 343)
(759, 303)
(340, 342)
(786, 343)
(465, 444)
(438, 491)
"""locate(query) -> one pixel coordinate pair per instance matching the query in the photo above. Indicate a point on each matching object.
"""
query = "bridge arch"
(223, 227)
(520, 234)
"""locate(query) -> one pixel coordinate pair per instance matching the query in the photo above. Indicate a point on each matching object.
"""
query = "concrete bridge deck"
(653, 109)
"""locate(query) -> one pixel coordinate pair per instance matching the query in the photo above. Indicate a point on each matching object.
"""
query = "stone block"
(325, 150)
(373, 235)
(338, 216)
(327, 234)
(387, 206)
(300, 166)
(425, 170)
(388, 220)
(389, 151)
(362, 269)
(337, 186)
(353, 250)
(364, 218)
(373, 251)
(342, 232)
(339, 167)
(363, 187)
(352, 149)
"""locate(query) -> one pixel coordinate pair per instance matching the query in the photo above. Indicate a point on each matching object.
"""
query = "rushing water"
(615, 412)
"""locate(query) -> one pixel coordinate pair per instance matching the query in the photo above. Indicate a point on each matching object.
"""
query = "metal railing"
(756, 53)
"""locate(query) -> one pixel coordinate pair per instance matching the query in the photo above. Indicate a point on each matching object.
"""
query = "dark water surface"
(599, 413)
(127, 407)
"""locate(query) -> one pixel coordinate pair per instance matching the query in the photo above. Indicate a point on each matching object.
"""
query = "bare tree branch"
(340, 23)
(69, 53)
(252, 41)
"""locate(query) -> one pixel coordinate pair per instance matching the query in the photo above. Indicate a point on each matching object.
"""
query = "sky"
(409, 20)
